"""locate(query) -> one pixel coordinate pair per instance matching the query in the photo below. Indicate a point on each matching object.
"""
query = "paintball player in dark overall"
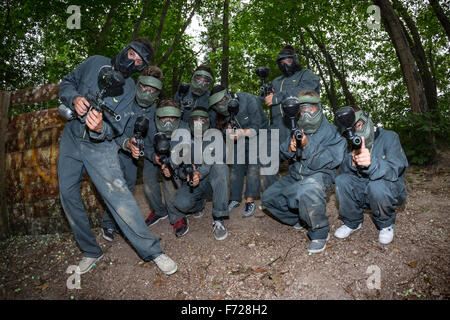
(208, 179)
(87, 146)
(148, 88)
(371, 177)
(300, 196)
(250, 116)
(198, 92)
(166, 121)
(294, 80)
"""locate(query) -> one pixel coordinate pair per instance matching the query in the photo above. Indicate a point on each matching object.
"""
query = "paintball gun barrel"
(290, 108)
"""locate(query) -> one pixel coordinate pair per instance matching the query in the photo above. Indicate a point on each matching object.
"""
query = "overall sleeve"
(392, 164)
(68, 89)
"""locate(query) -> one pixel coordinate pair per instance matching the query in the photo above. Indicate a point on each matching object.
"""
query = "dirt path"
(260, 259)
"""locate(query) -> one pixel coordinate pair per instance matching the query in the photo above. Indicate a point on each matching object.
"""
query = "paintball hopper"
(233, 104)
(345, 119)
(141, 125)
(263, 72)
(162, 144)
(140, 131)
(109, 79)
(183, 88)
(290, 107)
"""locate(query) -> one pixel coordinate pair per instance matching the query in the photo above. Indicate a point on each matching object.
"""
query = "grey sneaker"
(219, 230)
(233, 204)
(87, 263)
(248, 210)
(165, 264)
(318, 245)
(108, 234)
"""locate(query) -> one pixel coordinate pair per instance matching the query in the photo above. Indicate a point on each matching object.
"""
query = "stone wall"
(32, 146)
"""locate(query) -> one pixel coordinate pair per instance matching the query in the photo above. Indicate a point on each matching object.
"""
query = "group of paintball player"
(113, 122)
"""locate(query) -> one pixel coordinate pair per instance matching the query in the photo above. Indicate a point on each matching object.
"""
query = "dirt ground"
(260, 259)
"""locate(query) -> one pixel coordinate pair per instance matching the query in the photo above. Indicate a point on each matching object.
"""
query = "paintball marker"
(266, 88)
(345, 118)
(108, 81)
(291, 109)
(233, 110)
(140, 131)
(162, 149)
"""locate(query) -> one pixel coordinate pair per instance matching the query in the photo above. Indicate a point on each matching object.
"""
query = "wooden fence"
(29, 145)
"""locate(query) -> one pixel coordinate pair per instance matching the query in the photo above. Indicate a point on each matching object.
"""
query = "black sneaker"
(181, 227)
(153, 218)
(248, 210)
(108, 234)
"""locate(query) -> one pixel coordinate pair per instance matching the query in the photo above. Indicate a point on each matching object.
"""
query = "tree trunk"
(5, 98)
(138, 23)
(160, 28)
(399, 40)
(340, 75)
(420, 57)
(179, 35)
(443, 19)
(225, 45)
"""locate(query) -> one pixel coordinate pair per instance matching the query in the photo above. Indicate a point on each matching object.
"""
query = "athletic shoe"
(343, 231)
(165, 264)
(153, 218)
(233, 204)
(219, 230)
(108, 234)
(181, 227)
(318, 245)
(386, 235)
(87, 263)
(248, 210)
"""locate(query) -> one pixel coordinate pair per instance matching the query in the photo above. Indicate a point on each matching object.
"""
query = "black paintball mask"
(288, 69)
(125, 65)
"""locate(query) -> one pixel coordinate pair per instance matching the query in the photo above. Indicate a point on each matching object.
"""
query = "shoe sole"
(161, 218)
(221, 238)
(106, 237)
(92, 264)
(168, 273)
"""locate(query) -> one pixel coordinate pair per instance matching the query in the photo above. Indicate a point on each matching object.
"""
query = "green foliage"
(38, 48)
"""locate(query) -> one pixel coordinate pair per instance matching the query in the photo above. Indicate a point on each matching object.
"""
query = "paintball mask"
(145, 98)
(215, 102)
(199, 118)
(200, 82)
(288, 69)
(367, 130)
(125, 65)
(167, 126)
(310, 113)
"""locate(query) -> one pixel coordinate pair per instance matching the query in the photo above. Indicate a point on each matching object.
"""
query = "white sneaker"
(386, 235)
(343, 231)
(165, 264)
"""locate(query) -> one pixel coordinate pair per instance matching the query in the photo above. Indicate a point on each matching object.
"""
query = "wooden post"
(5, 99)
